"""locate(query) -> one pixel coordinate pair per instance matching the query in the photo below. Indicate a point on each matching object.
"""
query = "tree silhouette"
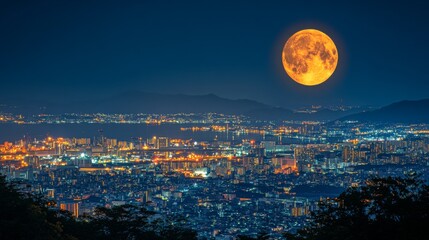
(27, 216)
(385, 208)
(261, 236)
(132, 222)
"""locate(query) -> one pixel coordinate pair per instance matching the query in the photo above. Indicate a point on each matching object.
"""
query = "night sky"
(66, 50)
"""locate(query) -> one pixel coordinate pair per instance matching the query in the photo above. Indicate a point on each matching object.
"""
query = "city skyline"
(229, 176)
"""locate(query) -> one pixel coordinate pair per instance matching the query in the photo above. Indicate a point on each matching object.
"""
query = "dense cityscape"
(243, 178)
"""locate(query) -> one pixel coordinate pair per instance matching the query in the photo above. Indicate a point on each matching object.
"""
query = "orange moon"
(310, 57)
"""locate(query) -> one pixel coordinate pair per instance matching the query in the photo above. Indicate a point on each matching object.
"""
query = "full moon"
(310, 57)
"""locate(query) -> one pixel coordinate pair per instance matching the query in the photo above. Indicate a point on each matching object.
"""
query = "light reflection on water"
(13, 132)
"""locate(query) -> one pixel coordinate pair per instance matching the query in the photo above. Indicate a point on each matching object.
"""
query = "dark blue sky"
(63, 50)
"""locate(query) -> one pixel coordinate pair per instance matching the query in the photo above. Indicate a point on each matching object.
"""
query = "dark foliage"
(26, 216)
(261, 236)
(385, 208)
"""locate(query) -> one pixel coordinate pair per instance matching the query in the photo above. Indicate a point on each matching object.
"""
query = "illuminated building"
(71, 206)
(81, 141)
(161, 142)
(50, 193)
(32, 161)
(111, 142)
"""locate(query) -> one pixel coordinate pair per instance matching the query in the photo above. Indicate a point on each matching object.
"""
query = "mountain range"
(145, 102)
(400, 112)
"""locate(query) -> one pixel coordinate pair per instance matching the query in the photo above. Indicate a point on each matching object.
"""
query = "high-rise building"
(111, 143)
(70, 206)
(346, 154)
(161, 142)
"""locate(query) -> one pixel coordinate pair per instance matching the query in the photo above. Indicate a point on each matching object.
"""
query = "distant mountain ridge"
(146, 102)
(138, 102)
(416, 111)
